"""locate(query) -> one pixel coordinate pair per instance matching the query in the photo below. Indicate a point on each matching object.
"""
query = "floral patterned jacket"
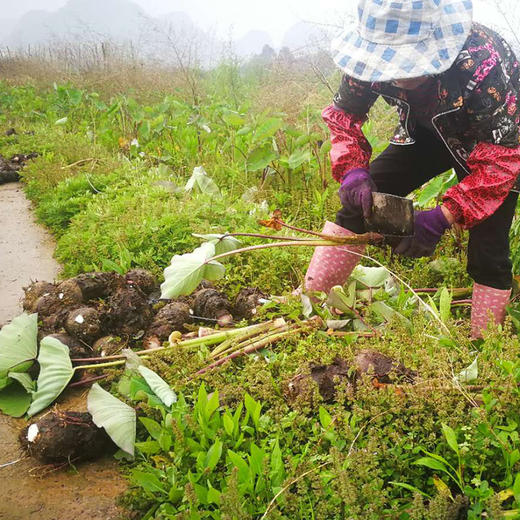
(477, 117)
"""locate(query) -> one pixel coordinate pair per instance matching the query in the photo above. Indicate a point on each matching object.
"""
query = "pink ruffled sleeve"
(494, 169)
(350, 148)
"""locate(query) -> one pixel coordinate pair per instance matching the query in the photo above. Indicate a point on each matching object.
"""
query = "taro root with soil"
(77, 349)
(85, 324)
(173, 316)
(145, 280)
(129, 311)
(33, 292)
(212, 304)
(63, 437)
(98, 285)
(109, 346)
(247, 302)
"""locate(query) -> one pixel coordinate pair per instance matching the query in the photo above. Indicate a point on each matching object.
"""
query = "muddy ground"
(28, 490)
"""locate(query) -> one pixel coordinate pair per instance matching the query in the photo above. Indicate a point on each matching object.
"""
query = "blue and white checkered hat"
(403, 39)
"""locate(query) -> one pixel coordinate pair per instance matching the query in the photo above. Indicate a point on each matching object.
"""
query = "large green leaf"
(223, 243)
(25, 380)
(261, 157)
(370, 276)
(18, 343)
(117, 418)
(345, 301)
(298, 157)
(161, 389)
(268, 128)
(469, 374)
(14, 400)
(202, 181)
(187, 271)
(55, 373)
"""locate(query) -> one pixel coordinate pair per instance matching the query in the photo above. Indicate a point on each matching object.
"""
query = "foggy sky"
(236, 17)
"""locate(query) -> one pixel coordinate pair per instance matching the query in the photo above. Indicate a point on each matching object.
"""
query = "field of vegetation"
(128, 171)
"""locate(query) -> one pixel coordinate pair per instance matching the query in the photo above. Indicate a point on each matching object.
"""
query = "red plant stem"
(366, 238)
(340, 334)
(84, 382)
(270, 237)
(461, 302)
(454, 290)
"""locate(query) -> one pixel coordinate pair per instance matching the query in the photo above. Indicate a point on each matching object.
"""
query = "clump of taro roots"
(382, 369)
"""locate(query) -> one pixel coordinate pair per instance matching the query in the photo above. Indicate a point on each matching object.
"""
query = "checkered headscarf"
(403, 39)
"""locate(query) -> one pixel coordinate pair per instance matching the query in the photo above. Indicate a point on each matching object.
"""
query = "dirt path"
(27, 491)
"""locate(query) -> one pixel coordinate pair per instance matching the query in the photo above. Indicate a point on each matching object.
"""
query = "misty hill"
(303, 36)
(252, 43)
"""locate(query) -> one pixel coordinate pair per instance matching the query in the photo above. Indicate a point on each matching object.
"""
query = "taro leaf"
(55, 373)
(445, 305)
(202, 181)
(268, 128)
(343, 300)
(298, 158)
(260, 158)
(387, 313)
(187, 271)
(25, 380)
(14, 400)
(233, 118)
(117, 418)
(223, 243)
(370, 276)
(469, 374)
(337, 324)
(161, 389)
(18, 344)
(436, 187)
(306, 305)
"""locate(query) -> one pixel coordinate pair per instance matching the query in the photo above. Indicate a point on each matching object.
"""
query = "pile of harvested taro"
(95, 317)
(102, 313)
(10, 168)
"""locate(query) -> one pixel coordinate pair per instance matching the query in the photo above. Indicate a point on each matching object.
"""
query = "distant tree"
(268, 53)
(285, 55)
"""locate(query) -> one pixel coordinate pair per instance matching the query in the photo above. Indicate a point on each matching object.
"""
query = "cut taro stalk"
(62, 437)
(85, 324)
(212, 304)
(247, 302)
(145, 280)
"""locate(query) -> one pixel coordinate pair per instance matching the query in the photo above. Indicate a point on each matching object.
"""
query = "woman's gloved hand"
(429, 227)
(356, 190)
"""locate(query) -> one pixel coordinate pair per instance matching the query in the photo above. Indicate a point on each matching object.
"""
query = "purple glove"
(429, 227)
(356, 190)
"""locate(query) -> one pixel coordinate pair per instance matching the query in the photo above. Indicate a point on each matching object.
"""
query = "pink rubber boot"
(331, 266)
(485, 300)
